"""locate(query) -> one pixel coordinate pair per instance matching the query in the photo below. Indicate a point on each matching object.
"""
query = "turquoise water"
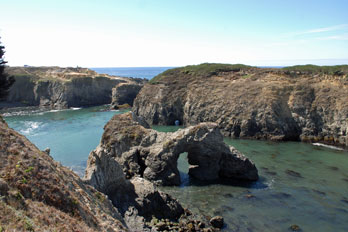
(70, 134)
(299, 183)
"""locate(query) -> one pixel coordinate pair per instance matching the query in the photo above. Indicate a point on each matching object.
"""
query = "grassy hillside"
(204, 70)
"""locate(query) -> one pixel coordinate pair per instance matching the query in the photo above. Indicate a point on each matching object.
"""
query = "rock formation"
(58, 88)
(307, 103)
(38, 194)
(125, 93)
(153, 155)
(131, 159)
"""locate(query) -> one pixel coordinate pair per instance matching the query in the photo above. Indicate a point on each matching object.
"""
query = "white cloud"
(316, 30)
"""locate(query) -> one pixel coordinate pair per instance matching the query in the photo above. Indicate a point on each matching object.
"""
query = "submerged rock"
(217, 222)
(293, 173)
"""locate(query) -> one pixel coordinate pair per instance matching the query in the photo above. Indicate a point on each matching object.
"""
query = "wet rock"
(281, 195)
(333, 168)
(271, 173)
(228, 195)
(249, 196)
(161, 226)
(345, 200)
(319, 192)
(295, 228)
(217, 222)
(293, 173)
(47, 150)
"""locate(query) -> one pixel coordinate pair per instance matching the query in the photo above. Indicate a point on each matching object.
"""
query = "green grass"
(202, 70)
(309, 68)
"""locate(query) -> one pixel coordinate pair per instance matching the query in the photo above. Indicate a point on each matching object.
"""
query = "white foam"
(75, 108)
(30, 127)
(327, 146)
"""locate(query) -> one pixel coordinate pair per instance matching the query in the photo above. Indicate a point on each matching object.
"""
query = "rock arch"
(153, 155)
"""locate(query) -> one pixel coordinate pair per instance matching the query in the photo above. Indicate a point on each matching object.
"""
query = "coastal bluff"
(299, 103)
(39, 194)
(59, 88)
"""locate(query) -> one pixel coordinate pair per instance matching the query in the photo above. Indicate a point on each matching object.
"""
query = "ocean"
(137, 72)
(300, 184)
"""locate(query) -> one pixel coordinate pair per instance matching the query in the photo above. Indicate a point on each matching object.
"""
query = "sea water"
(300, 184)
(71, 134)
(137, 72)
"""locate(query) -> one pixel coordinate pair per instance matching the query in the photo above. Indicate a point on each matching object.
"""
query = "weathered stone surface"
(137, 199)
(58, 88)
(125, 93)
(153, 155)
(251, 102)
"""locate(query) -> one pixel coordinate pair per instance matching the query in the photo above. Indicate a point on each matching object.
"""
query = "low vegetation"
(203, 70)
(312, 69)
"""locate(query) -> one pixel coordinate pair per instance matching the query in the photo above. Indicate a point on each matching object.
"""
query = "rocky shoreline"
(301, 103)
(113, 196)
(132, 159)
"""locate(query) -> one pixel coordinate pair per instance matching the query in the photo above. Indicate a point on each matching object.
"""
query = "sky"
(141, 33)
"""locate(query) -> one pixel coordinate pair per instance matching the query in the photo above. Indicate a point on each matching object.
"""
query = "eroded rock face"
(58, 88)
(251, 102)
(125, 93)
(153, 155)
(137, 199)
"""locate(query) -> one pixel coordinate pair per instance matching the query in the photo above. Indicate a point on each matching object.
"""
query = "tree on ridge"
(5, 80)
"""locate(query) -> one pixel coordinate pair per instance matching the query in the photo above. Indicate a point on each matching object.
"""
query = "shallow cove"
(300, 183)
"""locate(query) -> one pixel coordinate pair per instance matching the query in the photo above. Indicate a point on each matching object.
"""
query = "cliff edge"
(307, 103)
(57, 88)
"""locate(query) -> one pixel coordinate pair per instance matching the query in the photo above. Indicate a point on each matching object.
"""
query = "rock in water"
(47, 150)
(153, 155)
(249, 102)
(137, 199)
(217, 222)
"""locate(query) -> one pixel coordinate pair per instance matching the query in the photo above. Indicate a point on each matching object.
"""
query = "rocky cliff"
(124, 94)
(38, 194)
(146, 153)
(57, 88)
(307, 103)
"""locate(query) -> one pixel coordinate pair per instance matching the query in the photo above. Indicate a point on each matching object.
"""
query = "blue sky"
(112, 33)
